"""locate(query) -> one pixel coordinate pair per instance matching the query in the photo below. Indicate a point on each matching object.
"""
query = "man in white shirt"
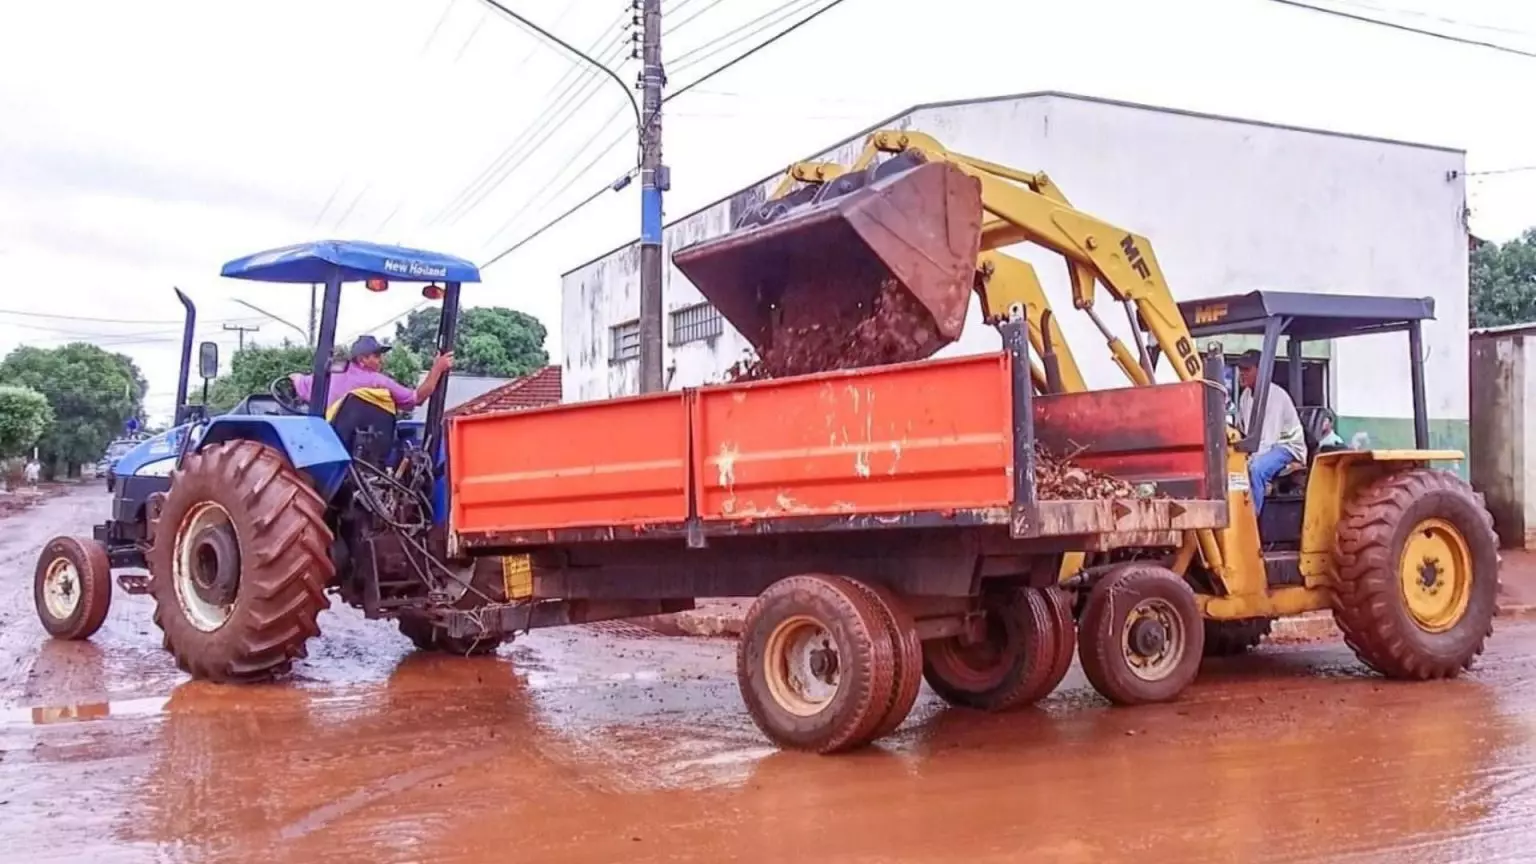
(1281, 439)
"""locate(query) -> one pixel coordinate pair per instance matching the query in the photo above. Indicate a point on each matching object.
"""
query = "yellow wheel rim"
(801, 666)
(1436, 573)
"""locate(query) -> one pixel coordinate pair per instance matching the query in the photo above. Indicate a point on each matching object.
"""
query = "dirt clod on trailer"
(1057, 479)
(808, 335)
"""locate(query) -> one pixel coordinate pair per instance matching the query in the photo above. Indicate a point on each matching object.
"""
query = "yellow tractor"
(1402, 553)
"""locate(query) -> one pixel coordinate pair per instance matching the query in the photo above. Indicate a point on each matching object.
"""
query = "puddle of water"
(83, 712)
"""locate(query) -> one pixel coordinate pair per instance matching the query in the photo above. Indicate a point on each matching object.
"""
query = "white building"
(1229, 205)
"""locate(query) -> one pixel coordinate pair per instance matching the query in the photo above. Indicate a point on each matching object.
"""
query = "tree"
(92, 393)
(491, 340)
(24, 416)
(1503, 282)
(403, 364)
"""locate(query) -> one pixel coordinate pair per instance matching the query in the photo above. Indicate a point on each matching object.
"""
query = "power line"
(736, 36)
(614, 187)
(26, 314)
(624, 181)
(506, 161)
(674, 27)
(1405, 28)
(753, 50)
(1414, 13)
(447, 8)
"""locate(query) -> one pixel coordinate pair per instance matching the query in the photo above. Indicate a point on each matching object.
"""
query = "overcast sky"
(143, 144)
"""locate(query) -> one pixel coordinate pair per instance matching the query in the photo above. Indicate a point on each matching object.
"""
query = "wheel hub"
(61, 588)
(802, 667)
(216, 565)
(1149, 637)
(1436, 575)
(1153, 640)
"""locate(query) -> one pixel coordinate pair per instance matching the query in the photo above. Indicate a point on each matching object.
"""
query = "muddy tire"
(1141, 637)
(815, 664)
(240, 562)
(1230, 638)
(1418, 575)
(907, 650)
(1065, 626)
(1010, 668)
(72, 587)
(486, 586)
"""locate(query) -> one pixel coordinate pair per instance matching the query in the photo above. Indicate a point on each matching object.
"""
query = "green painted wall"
(1390, 433)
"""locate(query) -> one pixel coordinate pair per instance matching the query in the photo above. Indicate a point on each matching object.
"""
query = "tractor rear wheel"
(72, 587)
(1015, 664)
(1141, 637)
(1229, 638)
(815, 664)
(240, 562)
(485, 586)
(1418, 575)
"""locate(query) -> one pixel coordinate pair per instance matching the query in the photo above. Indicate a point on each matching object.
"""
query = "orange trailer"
(886, 518)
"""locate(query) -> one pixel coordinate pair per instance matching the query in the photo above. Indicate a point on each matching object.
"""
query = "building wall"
(1503, 431)
(1228, 206)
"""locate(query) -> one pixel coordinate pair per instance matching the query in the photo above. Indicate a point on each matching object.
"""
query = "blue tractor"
(247, 521)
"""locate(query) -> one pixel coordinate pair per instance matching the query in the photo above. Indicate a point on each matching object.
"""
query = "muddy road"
(601, 744)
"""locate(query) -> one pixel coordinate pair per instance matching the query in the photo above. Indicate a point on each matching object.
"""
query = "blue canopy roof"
(356, 260)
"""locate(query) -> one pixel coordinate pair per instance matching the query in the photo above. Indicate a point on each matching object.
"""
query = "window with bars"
(625, 341)
(692, 323)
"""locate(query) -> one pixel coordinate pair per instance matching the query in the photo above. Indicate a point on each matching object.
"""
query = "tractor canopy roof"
(350, 261)
(1305, 316)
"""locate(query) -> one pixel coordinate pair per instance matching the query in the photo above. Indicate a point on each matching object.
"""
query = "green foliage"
(1503, 282)
(403, 365)
(253, 371)
(491, 340)
(24, 416)
(92, 393)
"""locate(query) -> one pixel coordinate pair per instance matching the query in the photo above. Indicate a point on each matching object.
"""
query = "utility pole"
(654, 180)
(242, 330)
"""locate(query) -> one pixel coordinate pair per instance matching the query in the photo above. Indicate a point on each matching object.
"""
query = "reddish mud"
(590, 745)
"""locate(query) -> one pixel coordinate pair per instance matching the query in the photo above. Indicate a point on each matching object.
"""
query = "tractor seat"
(364, 421)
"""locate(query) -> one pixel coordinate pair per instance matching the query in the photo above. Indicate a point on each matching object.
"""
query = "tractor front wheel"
(240, 562)
(1418, 575)
(72, 587)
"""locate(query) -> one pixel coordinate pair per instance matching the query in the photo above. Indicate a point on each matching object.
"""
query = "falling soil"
(822, 327)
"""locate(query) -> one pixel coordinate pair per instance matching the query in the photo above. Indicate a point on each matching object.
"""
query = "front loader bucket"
(874, 267)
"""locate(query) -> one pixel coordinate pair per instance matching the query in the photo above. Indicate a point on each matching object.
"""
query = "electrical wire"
(740, 34)
(1414, 13)
(614, 187)
(507, 160)
(1516, 170)
(1366, 19)
(753, 50)
(672, 28)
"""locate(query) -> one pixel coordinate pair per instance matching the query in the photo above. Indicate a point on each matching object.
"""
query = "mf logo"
(1210, 314)
(1133, 255)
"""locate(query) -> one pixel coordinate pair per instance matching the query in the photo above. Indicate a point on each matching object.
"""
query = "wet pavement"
(600, 744)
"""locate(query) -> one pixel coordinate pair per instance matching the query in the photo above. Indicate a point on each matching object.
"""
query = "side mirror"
(208, 360)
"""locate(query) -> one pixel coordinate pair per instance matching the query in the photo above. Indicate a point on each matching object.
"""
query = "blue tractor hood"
(154, 457)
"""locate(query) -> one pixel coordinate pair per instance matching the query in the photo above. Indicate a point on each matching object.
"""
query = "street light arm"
(633, 105)
(300, 330)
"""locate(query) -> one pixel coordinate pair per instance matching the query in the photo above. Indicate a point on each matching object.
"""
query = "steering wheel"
(286, 397)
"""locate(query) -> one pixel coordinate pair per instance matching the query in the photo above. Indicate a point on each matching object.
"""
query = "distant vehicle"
(115, 451)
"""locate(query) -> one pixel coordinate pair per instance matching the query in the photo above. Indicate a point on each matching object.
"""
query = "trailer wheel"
(72, 587)
(240, 562)
(815, 664)
(1142, 636)
(906, 648)
(1418, 571)
(1011, 667)
(1064, 624)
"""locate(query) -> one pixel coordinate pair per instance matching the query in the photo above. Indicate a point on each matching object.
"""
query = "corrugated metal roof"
(1524, 329)
(1015, 97)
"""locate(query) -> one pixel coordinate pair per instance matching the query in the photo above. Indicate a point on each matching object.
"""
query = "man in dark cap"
(1282, 442)
(365, 370)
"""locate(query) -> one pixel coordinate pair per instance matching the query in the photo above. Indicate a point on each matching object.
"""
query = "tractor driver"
(1282, 441)
(364, 370)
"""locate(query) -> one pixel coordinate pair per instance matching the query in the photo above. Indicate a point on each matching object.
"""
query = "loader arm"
(1027, 207)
